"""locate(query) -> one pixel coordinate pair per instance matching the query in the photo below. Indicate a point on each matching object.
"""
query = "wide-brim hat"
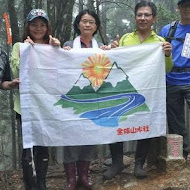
(182, 1)
(35, 13)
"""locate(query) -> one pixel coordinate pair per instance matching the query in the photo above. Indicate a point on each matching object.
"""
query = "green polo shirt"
(133, 39)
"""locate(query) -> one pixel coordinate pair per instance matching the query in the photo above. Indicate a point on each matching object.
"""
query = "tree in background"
(13, 21)
(60, 13)
(166, 14)
(117, 17)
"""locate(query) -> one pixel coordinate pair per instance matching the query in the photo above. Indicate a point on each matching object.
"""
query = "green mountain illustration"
(88, 93)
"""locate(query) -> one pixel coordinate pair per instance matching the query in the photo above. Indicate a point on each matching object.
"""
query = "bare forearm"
(7, 85)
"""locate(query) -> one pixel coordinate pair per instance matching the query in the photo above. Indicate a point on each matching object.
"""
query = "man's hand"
(167, 47)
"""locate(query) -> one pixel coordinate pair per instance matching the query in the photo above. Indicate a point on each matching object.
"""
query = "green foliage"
(120, 19)
(165, 16)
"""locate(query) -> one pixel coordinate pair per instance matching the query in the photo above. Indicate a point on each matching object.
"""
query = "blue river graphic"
(109, 116)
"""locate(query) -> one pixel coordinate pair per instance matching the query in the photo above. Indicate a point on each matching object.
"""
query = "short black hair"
(146, 4)
(79, 16)
(182, 1)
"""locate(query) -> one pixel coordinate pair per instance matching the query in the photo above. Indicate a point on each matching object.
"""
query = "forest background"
(117, 17)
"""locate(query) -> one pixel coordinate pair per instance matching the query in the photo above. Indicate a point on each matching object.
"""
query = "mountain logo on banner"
(98, 95)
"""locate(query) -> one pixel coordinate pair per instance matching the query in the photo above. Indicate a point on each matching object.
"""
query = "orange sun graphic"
(96, 68)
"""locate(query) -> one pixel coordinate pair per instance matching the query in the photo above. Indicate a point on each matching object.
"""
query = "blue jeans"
(176, 96)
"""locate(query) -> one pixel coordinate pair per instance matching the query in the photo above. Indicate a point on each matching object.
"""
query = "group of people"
(77, 159)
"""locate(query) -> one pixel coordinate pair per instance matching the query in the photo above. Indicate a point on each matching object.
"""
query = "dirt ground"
(56, 178)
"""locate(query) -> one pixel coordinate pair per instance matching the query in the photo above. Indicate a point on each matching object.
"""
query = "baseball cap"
(183, 1)
(35, 13)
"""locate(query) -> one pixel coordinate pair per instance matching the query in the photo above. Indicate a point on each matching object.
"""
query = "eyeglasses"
(91, 22)
(146, 15)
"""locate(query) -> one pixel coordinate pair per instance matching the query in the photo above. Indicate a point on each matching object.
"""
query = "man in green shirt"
(145, 16)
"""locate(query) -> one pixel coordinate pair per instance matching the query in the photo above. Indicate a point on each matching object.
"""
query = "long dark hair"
(27, 32)
(79, 16)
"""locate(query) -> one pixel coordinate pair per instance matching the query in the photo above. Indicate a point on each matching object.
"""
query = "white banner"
(90, 96)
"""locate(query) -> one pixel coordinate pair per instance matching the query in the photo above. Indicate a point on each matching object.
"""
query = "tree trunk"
(13, 21)
(81, 4)
(13, 124)
(61, 14)
(90, 4)
(102, 28)
(38, 4)
(51, 12)
(27, 7)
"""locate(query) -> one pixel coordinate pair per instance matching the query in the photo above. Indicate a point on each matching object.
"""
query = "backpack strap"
(171, 33)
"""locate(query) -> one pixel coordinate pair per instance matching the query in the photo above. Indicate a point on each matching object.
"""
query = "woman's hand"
(105, 47)
(14, 83)
(29, 40)
(54, 41)
(7, 85)
(67, 48)
(167, 47)
(115, 43)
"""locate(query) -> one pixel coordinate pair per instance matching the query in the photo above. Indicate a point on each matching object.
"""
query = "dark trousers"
(36, 161)
(142, 151)
(38, 165)
(39, 153)
(176, 96)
